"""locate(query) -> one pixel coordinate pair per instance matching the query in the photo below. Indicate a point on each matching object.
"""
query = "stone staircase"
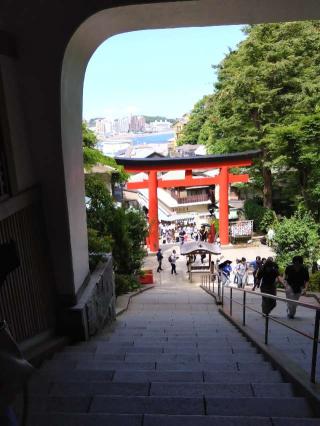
(171, 360)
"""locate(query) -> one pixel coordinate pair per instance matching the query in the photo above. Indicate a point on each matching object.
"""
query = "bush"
(254, 211)
(97, 244)
(262, 217)
(297, 236)
(123, 230)
(314, 283)
(269, 220)
(125, 283)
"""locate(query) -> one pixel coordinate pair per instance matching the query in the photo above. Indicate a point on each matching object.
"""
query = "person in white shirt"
(173, 259)
(241, 270)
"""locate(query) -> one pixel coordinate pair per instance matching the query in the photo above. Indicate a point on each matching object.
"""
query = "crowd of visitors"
(265, 271)
(179, 233)
(266, 275)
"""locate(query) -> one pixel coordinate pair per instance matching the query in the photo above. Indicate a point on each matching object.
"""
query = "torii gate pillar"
(153, 211)
(223, 205)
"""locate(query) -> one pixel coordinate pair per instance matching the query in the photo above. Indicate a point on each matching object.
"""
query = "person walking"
(296, 283)
(241, 271)
(203, 233)
(225, 269)
(235, 272)
(159, 258)
(270, 236)
(256, 266)
(269, 274)
(172, 259)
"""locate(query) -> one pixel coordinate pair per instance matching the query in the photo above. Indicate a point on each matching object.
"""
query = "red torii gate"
(154, 165)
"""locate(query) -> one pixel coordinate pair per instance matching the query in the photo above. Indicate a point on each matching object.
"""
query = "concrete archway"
(109, 22)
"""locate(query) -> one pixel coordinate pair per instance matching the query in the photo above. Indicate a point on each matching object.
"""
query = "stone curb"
(123, 301)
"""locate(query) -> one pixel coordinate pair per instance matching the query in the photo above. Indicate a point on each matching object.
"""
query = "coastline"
(130, 136)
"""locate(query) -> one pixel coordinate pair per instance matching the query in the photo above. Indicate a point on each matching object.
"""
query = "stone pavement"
(171, 359)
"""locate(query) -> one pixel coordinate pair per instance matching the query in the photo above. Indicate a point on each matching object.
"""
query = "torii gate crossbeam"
(152, 166)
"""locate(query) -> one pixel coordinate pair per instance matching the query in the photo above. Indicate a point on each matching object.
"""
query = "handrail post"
(315, 347)
(266, 330)
(231, 301)
(209, 282)
(222, 299)
(244, 309)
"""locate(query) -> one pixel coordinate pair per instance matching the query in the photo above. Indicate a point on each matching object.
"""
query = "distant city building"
(137, 123)
(123, 125)
(177, 128)
(103, 127)
(158, 126)
(179, 124)
(189, 150)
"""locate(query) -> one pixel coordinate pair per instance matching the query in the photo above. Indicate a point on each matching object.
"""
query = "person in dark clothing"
(203, 234)
(159, 258)
(257, 265)
(225, 269)
(296, 283)
(268, 276)
(182, 234)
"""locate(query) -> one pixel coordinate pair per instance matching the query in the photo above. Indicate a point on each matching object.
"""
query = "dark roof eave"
(167, 161)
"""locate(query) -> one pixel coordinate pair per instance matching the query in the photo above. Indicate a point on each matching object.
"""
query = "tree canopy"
(267, 96)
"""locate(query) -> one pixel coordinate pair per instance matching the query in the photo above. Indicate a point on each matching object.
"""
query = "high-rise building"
(137, 123)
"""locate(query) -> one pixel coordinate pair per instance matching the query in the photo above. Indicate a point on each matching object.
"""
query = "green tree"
(191, 131)
(297, 235)
(297, 147)
(117, 229)
(101, 207)
(267, 84)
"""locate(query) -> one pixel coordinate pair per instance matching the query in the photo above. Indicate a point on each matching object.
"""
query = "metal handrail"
(314, 337)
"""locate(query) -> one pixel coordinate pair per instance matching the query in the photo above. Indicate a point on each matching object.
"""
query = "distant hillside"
(150, 118)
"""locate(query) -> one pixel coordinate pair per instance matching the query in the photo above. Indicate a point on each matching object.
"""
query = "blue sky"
(155, 72)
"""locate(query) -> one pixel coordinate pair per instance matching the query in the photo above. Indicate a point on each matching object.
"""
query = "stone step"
(171, 334)
(62, 388)
(255, 360)
(224, 364)
(277, 407)
(76, 419)
(72, 375)
(222, 389)
(172, 342)
(222, 406)
(65, 419)
(163, 420)
(99, 388)
(205, 353)
(197, 376)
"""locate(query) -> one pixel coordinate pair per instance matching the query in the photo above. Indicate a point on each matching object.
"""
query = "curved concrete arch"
(109, 22)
